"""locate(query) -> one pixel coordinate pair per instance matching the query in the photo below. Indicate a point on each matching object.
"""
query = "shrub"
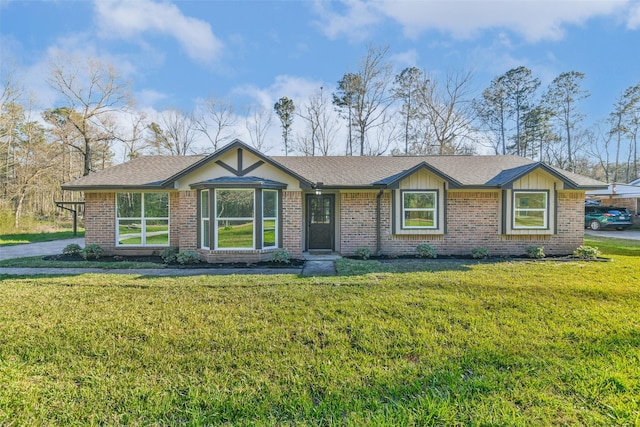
(72, 249)
(586, 252)
(363, 253)
(536, 252)
(169, 255)
(92, 251)
(188, 257)
(479, 252)
(426, 251)
(281, 256)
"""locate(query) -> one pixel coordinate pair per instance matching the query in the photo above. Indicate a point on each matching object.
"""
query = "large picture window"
(142, 219)
(234, 219)
(530, 209)
(419, 209)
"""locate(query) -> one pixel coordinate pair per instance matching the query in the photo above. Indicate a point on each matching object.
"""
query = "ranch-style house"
(238, 204)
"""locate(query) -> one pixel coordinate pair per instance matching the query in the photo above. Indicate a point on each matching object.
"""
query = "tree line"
(372, 111)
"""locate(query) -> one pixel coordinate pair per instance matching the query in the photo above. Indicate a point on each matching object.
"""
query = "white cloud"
(149, 97)
(354, 23)
(297, 88)
(404, 59)
(633, 22)
(534, 19)
(130, 19)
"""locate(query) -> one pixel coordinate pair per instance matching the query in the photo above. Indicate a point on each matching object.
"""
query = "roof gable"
(240, 168)
(394, 181)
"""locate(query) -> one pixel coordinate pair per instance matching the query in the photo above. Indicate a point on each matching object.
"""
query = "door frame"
(307, 217)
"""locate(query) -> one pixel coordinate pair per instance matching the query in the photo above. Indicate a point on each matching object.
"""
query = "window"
(530, 209)
(142, 219)
(204, 219)
(269, 218)
(234, 219)
(419, 209)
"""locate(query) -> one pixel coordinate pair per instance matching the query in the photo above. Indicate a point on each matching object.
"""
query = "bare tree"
(447, 108)
(10, 114)
(174, 134)
(91, 91)
(34, 165)
(366, 96)
(216, 120)
(321, 126)
(258, 122)
(383, 137)
(599, 148)
(132, 136)
(624, 121)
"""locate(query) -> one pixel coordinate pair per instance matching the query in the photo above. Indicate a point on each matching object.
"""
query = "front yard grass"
(39, 262)
(553, 343)
(30, 237)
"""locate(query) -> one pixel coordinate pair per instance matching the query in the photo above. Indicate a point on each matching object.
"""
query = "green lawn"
(544, 343)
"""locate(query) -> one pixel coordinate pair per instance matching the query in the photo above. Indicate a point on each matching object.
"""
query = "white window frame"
(403, 225)
(271, 218)
(203, 219)
(143, 221)
(545, 210)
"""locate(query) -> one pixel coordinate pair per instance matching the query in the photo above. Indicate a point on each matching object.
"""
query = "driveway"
(615, 234)
(41, 248)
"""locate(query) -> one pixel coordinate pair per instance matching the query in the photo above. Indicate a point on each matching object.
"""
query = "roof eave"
(110, 187)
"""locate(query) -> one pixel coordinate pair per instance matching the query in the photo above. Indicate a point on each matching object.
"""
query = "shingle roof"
(145, 171)
(472, 171)
(336, 171)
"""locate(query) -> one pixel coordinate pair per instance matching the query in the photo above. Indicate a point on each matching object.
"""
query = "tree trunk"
(18, 211)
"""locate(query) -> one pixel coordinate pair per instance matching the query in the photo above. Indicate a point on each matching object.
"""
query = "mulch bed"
(294, 263)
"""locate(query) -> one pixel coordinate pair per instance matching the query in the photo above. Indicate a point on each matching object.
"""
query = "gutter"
(378, 221)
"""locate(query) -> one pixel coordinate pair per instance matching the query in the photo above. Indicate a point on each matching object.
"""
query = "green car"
(599, 217)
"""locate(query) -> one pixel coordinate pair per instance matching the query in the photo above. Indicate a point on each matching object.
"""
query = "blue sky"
(178, 52)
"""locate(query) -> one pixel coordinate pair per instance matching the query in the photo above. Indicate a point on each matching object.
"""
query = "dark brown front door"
(320, 222)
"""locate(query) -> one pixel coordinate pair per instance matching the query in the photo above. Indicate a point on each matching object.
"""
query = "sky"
(175, 53)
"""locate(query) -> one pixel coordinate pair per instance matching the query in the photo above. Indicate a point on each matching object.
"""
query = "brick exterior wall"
(100, 220)
(186, 228)
(358, 222)
(292, 223)
(473, 219)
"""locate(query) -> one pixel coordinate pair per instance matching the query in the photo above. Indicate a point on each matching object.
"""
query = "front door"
(320, 222)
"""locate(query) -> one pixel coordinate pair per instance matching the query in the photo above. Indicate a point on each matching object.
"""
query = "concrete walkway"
(615, 234)
(315, 266)
(41, 248)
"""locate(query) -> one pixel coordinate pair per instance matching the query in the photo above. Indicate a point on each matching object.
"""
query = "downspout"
(378, 222)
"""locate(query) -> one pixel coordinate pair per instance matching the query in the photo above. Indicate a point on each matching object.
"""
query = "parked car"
(599, 217)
